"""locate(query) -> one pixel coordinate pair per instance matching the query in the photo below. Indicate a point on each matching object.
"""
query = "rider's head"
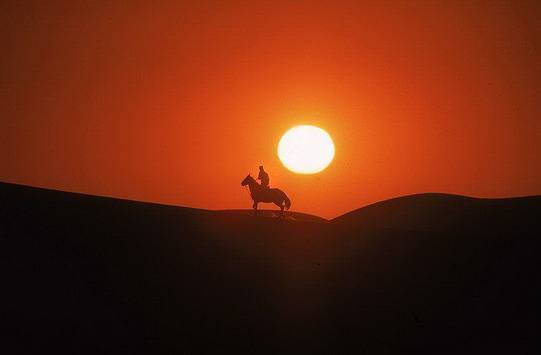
(261, 167)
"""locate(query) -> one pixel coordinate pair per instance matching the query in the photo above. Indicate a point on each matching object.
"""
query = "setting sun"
(306, 149)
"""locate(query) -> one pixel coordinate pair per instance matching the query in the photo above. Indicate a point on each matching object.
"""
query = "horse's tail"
(287, 201)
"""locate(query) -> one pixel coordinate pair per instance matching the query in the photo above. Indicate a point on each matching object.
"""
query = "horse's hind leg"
(281, 208)
(255, 208)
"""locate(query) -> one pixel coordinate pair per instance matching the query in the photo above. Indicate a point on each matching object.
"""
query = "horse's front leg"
(255, 207)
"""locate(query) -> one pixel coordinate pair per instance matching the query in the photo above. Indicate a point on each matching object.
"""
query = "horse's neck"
(253, 186)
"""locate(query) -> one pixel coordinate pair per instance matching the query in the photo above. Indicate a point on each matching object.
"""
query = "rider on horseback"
(264, 177)
(262, 193)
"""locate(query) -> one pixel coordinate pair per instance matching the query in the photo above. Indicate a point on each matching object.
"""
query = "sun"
(306, 149)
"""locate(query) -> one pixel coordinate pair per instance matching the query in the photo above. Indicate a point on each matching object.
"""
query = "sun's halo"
(306, 149)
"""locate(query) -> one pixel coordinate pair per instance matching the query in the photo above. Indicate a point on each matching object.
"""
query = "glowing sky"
(177, 102)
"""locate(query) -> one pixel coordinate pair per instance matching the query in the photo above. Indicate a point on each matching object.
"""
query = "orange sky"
(176, 103)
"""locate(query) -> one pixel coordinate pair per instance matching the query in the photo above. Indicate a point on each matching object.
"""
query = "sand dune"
(427, 273)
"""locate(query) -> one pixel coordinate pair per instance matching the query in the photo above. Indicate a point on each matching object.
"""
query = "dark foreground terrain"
(427, 273)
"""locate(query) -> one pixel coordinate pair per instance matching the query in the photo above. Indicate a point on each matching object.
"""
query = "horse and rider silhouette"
(263, 193)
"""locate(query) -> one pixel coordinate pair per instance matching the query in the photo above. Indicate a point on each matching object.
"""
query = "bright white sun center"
(306, 149)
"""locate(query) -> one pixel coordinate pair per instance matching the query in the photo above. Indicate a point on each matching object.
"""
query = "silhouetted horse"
(264, 194)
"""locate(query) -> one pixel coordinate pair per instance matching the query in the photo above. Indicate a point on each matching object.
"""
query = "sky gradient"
(175, 103)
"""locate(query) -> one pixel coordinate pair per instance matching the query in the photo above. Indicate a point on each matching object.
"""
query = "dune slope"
(88, 274)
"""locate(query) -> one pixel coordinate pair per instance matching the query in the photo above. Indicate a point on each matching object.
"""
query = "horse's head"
(246, 180)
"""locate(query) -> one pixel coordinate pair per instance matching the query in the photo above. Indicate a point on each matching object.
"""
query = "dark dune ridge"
(436, 211)
(427, 273)
(288, 215)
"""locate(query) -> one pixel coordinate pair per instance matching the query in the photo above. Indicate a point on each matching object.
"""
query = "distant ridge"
(425, 211)
(25, 190)
(435, 211)
(288, 215)
(8, 187)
